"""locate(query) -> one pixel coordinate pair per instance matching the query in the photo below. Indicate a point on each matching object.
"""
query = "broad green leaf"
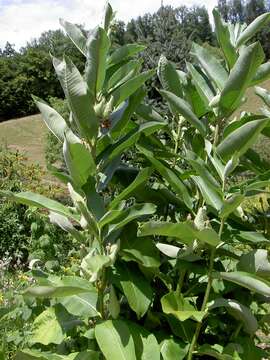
(175, 304)
(185, 232)
(146, 345)
(121, 117)
(247, 280)
(193, 97)
(210, 194)
(135, 287)
(66, 286)
(97, 48)
(201, 84)
(263, 94)
(174, 181)
(84, 305)
(253, 28)
(130, 214)
(52, 118)
(231, 204)
(67, 226)
(27, 354)
(79, 98)
(140, 179)
(51, 326)
(38, 355)
(109, 217)
(118, 78)
(223, 37)
(239, 311)
(123, 53)
(215, 351)
(75, 34)
(148, 113)
(212, 67)
(108, 16)
(241, 139)
(240, 77)
(142, 250)
(40, 201)
(114, 305)
(122, 92)
(250, 350)
(172, 349)
(262, 74)
(255, 262)
(183, 108)
(92, 265)
(79, 161)
(252, 237)
(168, 77)
(115, 340)
(208, 236)
(202, 170)
(84, 355)
(132, 137)
(232, 126)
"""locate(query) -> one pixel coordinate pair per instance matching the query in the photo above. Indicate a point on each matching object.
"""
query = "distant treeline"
(169, 31)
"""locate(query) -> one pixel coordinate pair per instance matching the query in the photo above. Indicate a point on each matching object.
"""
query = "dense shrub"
(26, 234)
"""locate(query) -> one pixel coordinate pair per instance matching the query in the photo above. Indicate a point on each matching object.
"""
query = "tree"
(8, 50)
(223, 9)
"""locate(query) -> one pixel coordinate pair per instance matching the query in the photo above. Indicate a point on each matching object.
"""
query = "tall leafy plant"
(172, 266)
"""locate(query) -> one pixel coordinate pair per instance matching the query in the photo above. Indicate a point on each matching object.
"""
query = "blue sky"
(22, 20)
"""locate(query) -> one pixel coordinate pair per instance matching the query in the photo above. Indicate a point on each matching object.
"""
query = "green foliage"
(163, 241)
(30, 72)
(26, 234)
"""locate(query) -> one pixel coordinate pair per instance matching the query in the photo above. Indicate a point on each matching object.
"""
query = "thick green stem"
(206, 296)
(101, 286)
(181, 280)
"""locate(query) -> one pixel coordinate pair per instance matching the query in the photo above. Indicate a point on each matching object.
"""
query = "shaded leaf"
(75, 34)
(239, 311)
(135, 287)
(172, 349)
(253, 28)
(175, 304)
(241, 139)
(223, 37)
(212, 67)
(256, 262)
(183, 108)
(51, 326)
(40, 201)
(240, 77)
(247, 280)
(123, 53)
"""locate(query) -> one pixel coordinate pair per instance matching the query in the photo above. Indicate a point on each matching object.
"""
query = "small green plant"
(171, 265)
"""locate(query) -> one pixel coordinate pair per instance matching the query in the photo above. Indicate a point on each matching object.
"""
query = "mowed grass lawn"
(26, 134)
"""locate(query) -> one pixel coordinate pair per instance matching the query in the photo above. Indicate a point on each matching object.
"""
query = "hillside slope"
(26, 134)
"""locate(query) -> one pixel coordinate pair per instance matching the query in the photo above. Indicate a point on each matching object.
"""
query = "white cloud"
(22, 20)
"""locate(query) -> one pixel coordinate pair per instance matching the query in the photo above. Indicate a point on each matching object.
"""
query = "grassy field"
(26, 134)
